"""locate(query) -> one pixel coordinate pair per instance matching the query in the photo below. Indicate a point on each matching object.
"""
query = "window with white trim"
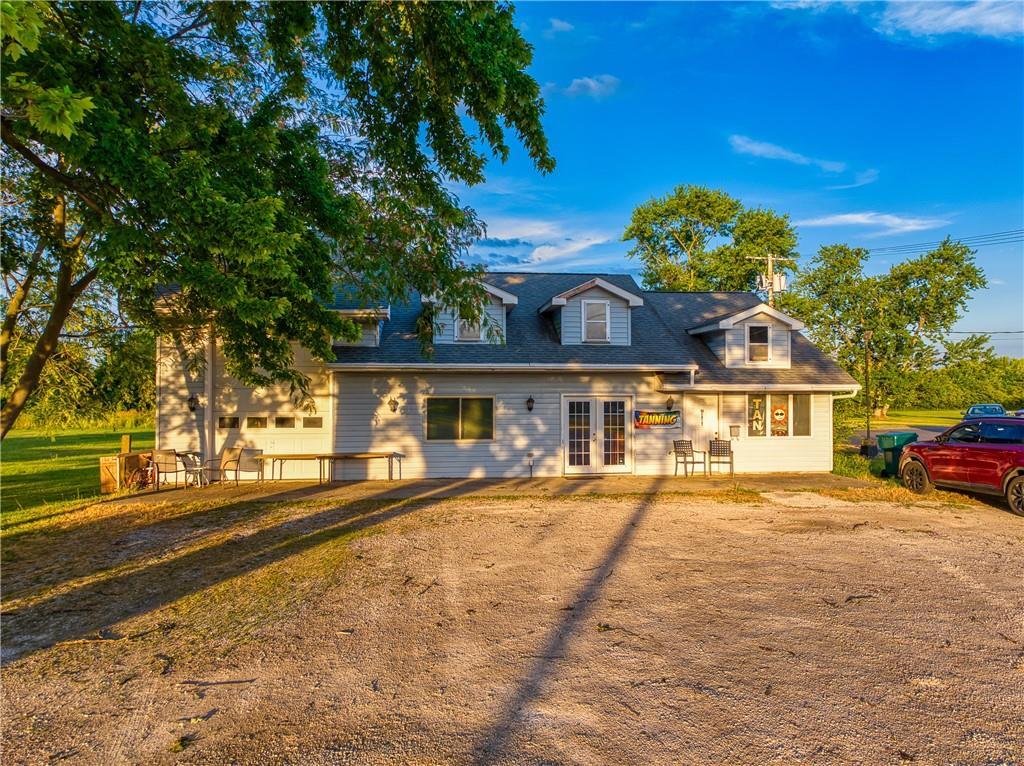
(596, 321)
(455, 418)
(466, 331)
(759, 343)
(778, 415)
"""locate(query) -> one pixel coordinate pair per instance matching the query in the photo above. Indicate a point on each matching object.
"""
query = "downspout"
(211, 426)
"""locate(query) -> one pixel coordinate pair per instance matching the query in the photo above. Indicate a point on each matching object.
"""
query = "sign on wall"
(650, 419)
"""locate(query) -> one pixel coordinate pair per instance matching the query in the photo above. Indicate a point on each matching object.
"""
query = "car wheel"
(1015, 495)
(915, 478)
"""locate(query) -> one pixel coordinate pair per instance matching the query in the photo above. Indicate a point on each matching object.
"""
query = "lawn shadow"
(98, 605)
(494, 740)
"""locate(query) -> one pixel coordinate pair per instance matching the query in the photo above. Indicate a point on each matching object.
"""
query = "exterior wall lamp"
(393, 404)
(529, 405)
(669, 402)
(734, 432)
(193, 402)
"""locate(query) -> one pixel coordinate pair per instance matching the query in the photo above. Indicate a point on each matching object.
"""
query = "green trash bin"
(892, 446)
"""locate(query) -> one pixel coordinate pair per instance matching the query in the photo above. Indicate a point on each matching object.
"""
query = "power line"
(1010, 236)
(985, 332)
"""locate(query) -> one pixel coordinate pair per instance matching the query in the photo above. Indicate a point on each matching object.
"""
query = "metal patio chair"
(687, 456)
(720, 453)
(240, 460)
(167, 464)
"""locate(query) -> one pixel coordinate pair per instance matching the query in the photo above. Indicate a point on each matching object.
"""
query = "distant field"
(41, 467)
(901, 418)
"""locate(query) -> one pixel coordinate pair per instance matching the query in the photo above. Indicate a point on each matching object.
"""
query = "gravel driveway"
(731, 628)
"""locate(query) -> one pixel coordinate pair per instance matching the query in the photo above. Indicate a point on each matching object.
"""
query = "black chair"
(685, 454)
(720, 453)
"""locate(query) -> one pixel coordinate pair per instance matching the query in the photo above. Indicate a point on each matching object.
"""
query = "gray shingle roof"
(659, 335)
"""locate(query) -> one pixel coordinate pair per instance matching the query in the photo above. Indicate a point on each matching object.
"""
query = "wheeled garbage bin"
(892, 446)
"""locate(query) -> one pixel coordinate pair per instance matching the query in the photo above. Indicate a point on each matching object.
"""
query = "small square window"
(467, 331)
(252, 422)
(312, 422)
(284, 422)
(227, 422)
(758, 343)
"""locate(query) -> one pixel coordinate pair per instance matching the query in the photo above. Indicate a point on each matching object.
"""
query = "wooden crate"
(110, 474)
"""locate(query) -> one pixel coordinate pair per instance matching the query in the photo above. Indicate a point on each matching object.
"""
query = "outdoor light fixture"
(734, 432)
(193, 402)
(529, 404)
(393, 404)
(669, 403)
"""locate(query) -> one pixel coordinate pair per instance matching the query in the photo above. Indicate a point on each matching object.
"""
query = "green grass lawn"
(901, 418)
(41, 467)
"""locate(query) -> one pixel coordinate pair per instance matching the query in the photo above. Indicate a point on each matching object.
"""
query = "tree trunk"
(14, 306)
(65, 294)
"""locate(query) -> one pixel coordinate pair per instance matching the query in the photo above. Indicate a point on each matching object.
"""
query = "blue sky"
(871, 124)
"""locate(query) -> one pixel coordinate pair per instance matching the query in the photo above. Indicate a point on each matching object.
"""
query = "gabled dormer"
(370, 322)
(593, 313)
(757, 337)
(450, 328)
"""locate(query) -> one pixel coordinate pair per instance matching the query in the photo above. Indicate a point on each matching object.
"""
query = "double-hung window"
(759, 346)
(460, 418)
(596, 322)
(468, 332)
(778, 415)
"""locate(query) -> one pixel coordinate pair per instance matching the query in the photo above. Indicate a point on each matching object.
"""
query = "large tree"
(696, 238)
(246, 157)
(907, 312)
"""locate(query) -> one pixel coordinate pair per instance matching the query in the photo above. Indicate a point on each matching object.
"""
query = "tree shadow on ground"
(99, 604)
(491, 745)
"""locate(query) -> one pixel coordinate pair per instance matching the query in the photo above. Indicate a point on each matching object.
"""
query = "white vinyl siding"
(619, 321)
(736, 346)
(179, 429)
(773, 454)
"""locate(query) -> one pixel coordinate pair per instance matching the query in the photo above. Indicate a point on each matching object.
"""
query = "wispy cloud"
(863, 178)
(557, 25)
(597, 87)
(982, 18)
(746, 145)
(986, 19)
(536, 243)
(886, 223)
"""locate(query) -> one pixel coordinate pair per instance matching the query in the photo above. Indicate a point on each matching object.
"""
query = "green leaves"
(254, 154)
(699, 239)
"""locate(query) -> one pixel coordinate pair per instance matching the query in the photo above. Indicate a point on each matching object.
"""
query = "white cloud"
(500, 227)
(983, 18)
(765, 150)
(560, 251)
(887, 223)
(863, 178)
(533, 244)
(597, 87)
(557, 25)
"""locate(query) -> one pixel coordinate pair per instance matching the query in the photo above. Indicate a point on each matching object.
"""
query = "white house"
(569, 374)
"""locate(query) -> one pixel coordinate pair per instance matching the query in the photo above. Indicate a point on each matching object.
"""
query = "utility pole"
(770, 258)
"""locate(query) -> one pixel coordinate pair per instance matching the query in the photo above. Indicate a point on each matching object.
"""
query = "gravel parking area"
(729, 627)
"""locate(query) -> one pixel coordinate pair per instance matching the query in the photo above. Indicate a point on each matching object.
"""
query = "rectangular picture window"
(255, 422)
(595, 321)
(758, 347)
(801, 414)
(227, 422)
(757, 417)
(779, 416)
(312, 422)
(284, 422)
(455, 418)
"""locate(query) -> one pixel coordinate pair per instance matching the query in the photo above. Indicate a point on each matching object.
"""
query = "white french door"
(596, 433)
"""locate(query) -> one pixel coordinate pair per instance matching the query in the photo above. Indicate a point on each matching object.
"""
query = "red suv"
(982, 455)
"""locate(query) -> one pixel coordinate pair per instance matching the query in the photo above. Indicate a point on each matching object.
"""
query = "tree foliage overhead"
(908, 311)
(251, 155)
(698, 238)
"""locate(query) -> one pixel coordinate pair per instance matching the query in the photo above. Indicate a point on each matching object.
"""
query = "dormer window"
(759, 347)
(596, 321)
(467, 331)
